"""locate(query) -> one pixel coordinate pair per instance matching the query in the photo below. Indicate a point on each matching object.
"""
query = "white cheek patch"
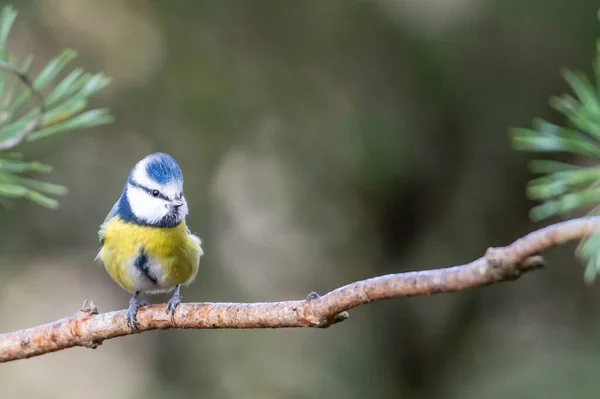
(144, 206)
(183, 209)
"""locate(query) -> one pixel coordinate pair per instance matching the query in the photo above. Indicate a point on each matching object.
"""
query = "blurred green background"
(322, 142)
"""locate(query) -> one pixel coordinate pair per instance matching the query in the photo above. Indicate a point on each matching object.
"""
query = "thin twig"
(13, 142)
(88, 328)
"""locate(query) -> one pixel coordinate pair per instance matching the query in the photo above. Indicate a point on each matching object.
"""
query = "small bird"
(147, 247)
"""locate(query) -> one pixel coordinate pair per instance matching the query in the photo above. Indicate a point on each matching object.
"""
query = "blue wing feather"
(113, 212)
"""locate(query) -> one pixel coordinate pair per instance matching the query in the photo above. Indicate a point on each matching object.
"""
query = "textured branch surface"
(88, 328)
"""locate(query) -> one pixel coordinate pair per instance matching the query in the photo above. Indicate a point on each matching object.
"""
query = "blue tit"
(147, 247)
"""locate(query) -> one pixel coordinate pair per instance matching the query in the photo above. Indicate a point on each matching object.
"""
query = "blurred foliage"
(564, 186)
(63, 109)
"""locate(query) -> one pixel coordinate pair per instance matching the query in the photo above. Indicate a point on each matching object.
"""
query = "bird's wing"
(110, 215)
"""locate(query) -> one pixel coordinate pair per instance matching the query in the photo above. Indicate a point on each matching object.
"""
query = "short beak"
(176, 204)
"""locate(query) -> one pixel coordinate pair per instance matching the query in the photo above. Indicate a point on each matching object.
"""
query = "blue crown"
(163, 169)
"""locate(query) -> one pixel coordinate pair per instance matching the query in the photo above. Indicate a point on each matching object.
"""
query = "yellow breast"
(173, 255)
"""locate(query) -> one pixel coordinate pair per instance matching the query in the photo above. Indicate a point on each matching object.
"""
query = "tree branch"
(88, 328)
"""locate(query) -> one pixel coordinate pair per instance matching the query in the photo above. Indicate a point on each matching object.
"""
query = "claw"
(174, 302)
(312, 296)
(134, 304)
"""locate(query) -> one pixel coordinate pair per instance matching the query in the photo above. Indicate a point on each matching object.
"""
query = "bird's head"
(153, 194)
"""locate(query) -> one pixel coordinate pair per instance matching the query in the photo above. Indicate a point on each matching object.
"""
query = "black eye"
(155, 193)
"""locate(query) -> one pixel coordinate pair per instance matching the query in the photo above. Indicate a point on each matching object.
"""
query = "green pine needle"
(26, 114)
(563, 187)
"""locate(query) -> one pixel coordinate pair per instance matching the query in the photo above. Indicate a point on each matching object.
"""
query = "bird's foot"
(134, 304)
(174, 302)
(312, 296)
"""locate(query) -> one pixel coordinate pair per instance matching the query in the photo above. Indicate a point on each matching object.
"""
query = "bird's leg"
(174, 301)
(134, 304)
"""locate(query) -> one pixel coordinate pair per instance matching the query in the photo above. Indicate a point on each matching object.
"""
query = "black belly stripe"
(141, 263)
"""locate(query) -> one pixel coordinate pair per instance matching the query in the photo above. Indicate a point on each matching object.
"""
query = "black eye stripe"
(149, 191)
